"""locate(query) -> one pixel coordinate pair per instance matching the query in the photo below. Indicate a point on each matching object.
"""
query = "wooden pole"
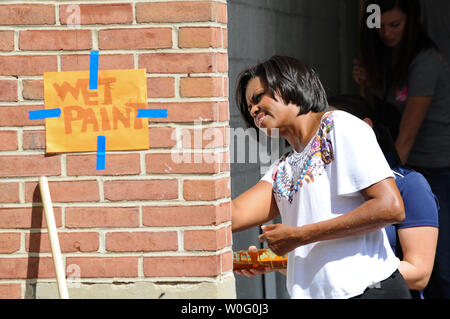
(53, 235)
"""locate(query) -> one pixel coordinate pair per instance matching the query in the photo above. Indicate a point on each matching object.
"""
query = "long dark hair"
(377, 58)
(290, 78)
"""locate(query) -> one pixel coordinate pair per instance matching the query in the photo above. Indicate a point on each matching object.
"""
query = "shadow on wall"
(34, 244)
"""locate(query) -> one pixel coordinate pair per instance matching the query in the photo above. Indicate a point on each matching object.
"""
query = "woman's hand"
(280, 238)
(363, 80)
(359, 73)
(251, 272)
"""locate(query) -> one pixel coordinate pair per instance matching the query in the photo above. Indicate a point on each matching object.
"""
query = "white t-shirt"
(321, 183)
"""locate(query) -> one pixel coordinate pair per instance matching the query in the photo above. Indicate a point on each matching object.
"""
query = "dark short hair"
(353, 104)
(362, 108)
(290, 79)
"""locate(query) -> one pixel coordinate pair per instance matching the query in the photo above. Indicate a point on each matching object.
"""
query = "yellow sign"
(85, 114)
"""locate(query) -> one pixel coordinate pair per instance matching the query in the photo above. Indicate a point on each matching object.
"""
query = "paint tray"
(258, 258)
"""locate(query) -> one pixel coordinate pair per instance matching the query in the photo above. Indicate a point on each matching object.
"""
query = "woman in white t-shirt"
(334, 191)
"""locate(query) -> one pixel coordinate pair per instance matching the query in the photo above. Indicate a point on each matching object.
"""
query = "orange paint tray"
(258, 258)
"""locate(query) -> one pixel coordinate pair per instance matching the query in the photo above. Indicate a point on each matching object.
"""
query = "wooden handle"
(53, 235)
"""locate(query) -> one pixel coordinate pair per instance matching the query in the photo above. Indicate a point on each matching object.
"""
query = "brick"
(162, 137)
(142, 241)
(206, 138)
(225, 86)
(80, 62)
(225, 38)
(186, 112)
(222, 62)
(9, 242)
(224, 212)
(141, 189)
(116, 164)
(33, 140)
(225, 162)
(29, 165)
(201, 87)
(8, 90)
(227, 261)
(67, 191)
(27, 65)
(9, 192)
(160, 87)
(55, 40)
(221, 12)
(69, 242)
(200, 37)
(229, 235)
(176, 11)
(8, 141)
(182, 266)
(209, 240)
(180, 62)
(27, 14)
(33, 89)
(103, 217)
(10, 291)
(206, 189)
(27, 268)
(104, 267)
(112, 13)
(26, 217)
(17, 115)
(169, 216)
(182, 163)
(224, 111)
(144, 38)
(6, 40)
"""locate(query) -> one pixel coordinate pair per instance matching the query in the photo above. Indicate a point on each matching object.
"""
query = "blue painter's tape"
(93, 71)
(152, 113)
(44, 114)
(101, 155)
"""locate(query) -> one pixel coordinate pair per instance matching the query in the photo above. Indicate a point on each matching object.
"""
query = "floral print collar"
(312, 161)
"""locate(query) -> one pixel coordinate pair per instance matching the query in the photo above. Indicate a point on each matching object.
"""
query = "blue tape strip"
(152, 113)
(101, 156)
(93, 71)
(44, 114)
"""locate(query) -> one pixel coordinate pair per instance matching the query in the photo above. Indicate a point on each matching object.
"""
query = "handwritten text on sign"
(109, 111)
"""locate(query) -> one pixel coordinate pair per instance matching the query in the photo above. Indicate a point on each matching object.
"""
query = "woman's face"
(393, 25)
(268, 113)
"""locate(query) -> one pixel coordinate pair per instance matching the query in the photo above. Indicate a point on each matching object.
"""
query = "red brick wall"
(145, 217)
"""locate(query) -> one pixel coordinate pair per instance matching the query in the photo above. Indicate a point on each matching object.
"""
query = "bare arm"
(253, 207)
(419, 248)
(383, 206)
(412, 118)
